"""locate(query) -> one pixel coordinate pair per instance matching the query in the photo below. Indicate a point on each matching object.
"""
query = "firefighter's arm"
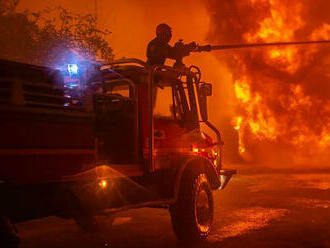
(180, 50)
(172, 52)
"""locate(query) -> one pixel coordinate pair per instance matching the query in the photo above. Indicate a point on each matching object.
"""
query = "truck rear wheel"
(192, 214)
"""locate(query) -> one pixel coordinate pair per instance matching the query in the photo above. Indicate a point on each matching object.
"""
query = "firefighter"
(159, 50)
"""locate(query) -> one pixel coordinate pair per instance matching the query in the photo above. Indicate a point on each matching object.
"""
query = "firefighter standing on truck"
(159, 50)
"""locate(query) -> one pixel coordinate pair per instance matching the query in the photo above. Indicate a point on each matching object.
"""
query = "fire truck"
(135, 136)
(128, 135)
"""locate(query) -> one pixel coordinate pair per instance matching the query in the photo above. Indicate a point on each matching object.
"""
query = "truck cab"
(132, 139)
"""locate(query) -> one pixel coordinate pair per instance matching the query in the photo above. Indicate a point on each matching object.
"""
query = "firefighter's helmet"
(164, 31)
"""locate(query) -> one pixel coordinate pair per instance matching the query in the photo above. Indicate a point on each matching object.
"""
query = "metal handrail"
(147, 66)
(218, 144)
(128, 61)
(212, 127)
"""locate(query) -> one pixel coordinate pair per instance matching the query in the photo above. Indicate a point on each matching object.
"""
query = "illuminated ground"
(256, 210)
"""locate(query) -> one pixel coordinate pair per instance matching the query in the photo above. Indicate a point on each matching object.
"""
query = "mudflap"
(225, 175)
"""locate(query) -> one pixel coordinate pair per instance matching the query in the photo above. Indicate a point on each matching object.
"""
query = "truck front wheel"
(192, 214)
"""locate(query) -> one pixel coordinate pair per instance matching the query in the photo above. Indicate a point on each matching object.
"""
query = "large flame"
(279, 101)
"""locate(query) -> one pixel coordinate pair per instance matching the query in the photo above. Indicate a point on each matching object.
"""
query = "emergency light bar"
(73, 69)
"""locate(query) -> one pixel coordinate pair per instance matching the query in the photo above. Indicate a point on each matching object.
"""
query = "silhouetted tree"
(8, 6)
(51, 36)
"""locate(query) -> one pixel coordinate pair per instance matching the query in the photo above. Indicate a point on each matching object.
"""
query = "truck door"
(116, 123)
(169, 131)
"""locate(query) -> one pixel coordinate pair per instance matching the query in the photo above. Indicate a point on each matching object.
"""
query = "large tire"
(192, 214)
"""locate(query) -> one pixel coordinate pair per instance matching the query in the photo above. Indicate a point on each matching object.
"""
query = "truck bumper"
(224, 176)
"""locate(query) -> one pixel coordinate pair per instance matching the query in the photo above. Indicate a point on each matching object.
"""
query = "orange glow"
(103, 184)
(257, 117)
(237, 126)
(242, 90)
(280, 26)
(275, 106)
(322, 32)
(195, 150)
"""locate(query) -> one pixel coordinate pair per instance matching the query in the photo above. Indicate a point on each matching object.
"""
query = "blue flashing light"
(73, 69)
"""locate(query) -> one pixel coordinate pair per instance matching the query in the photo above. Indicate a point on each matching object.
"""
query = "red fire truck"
(133, 139)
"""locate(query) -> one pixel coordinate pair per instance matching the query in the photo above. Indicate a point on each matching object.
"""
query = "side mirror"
(205, 90)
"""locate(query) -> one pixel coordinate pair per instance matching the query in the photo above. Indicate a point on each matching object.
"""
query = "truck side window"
(164, 103)
(121, 89)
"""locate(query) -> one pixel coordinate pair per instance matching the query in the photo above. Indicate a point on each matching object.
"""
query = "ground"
(257, 209)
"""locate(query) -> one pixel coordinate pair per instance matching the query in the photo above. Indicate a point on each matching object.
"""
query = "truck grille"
(18, 92)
